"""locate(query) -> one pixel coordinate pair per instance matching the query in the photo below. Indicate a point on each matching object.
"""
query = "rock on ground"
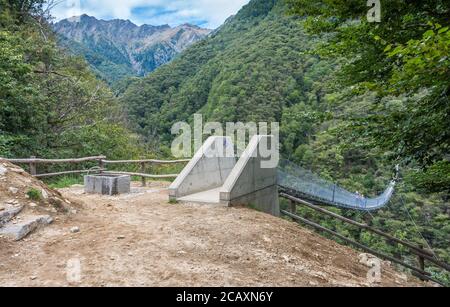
(20, 230)
(3, 170)
(8, 213)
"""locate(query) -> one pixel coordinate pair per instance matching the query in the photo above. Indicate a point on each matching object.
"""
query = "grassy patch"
(34, 194)
(64, 182)
(254, 207)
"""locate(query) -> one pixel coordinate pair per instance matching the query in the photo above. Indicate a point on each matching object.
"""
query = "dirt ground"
(141, 240)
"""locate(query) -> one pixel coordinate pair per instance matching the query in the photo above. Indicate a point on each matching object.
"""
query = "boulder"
(18, 231)
(3, 170)
(13, 190)
(8, 213)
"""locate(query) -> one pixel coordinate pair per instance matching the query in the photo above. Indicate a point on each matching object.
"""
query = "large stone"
(17, 170)
(368, 259)
(8, 213)
(13, 190)
(20, 230)
(3, 170)
(107, 184)
(75, 229)
(44, 194)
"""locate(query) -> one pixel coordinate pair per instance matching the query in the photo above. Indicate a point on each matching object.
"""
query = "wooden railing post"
(421, 260)
(33, 170)
(293, 208)
(100, 165)
(144, 182)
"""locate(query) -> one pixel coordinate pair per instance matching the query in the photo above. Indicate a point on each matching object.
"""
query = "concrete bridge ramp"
(214, 177)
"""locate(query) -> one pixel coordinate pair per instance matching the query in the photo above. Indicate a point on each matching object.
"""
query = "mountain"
(254, 67)
(119, 48)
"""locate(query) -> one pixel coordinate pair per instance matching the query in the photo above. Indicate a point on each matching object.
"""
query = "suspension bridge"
(304, 184)
(214, 176)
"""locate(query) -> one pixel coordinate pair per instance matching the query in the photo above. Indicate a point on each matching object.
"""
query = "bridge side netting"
(304, 183)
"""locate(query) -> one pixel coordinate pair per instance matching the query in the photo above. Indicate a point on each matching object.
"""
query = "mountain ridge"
(255, 59)
(119, 48)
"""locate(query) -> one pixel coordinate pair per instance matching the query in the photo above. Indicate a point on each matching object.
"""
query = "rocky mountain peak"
(118, 48)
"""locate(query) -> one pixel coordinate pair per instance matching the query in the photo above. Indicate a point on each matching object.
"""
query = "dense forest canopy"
(405, 61)
(51, 104)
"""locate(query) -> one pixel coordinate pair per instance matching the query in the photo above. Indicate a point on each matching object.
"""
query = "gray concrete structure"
(107, 184)
(251, 184)
(207, 170)
(214, 178)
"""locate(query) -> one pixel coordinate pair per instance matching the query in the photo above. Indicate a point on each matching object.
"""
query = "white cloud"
(155, 12)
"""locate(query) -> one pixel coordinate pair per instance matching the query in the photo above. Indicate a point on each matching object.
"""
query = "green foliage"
(435, 179)
(390, 104)
(404, 58)
(109, 70)
(64, 182)
(258, 58)
(51, 104)
(34, 194)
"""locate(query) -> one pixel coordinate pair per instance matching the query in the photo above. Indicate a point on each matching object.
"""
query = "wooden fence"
(421, 253)
(101, 162)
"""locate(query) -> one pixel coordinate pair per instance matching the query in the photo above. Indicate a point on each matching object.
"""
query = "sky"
(205, 13)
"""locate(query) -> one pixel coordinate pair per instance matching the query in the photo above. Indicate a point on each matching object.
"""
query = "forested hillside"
(51, 104)
(253, 68)
(269, 64)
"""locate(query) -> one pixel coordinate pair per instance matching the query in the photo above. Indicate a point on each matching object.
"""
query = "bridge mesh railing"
(309, 185)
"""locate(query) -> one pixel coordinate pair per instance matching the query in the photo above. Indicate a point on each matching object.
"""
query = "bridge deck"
(210, 197)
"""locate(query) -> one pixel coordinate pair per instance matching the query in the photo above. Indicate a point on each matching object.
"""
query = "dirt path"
(142, 240)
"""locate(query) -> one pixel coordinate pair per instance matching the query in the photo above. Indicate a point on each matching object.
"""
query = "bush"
(34, 194)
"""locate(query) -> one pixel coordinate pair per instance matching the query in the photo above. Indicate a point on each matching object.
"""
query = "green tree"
(403, 58)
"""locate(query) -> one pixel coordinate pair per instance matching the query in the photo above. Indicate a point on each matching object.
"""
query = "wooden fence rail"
(33, 162)
(416, 250)
(146, 161)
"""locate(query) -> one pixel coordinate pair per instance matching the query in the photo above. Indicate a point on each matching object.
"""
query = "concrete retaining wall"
(250, 184)
(209, 168)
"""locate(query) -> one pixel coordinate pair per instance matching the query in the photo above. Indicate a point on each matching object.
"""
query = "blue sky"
(205, 13)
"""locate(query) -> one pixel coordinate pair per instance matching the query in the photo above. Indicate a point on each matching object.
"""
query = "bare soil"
(15, 184)
(140, 239)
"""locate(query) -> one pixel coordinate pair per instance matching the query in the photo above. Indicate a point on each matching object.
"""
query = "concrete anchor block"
(107, 184)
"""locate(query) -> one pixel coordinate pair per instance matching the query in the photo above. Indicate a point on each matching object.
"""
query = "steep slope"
(252, 68)
(164, 244)
(26, 203)
(119, 48)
